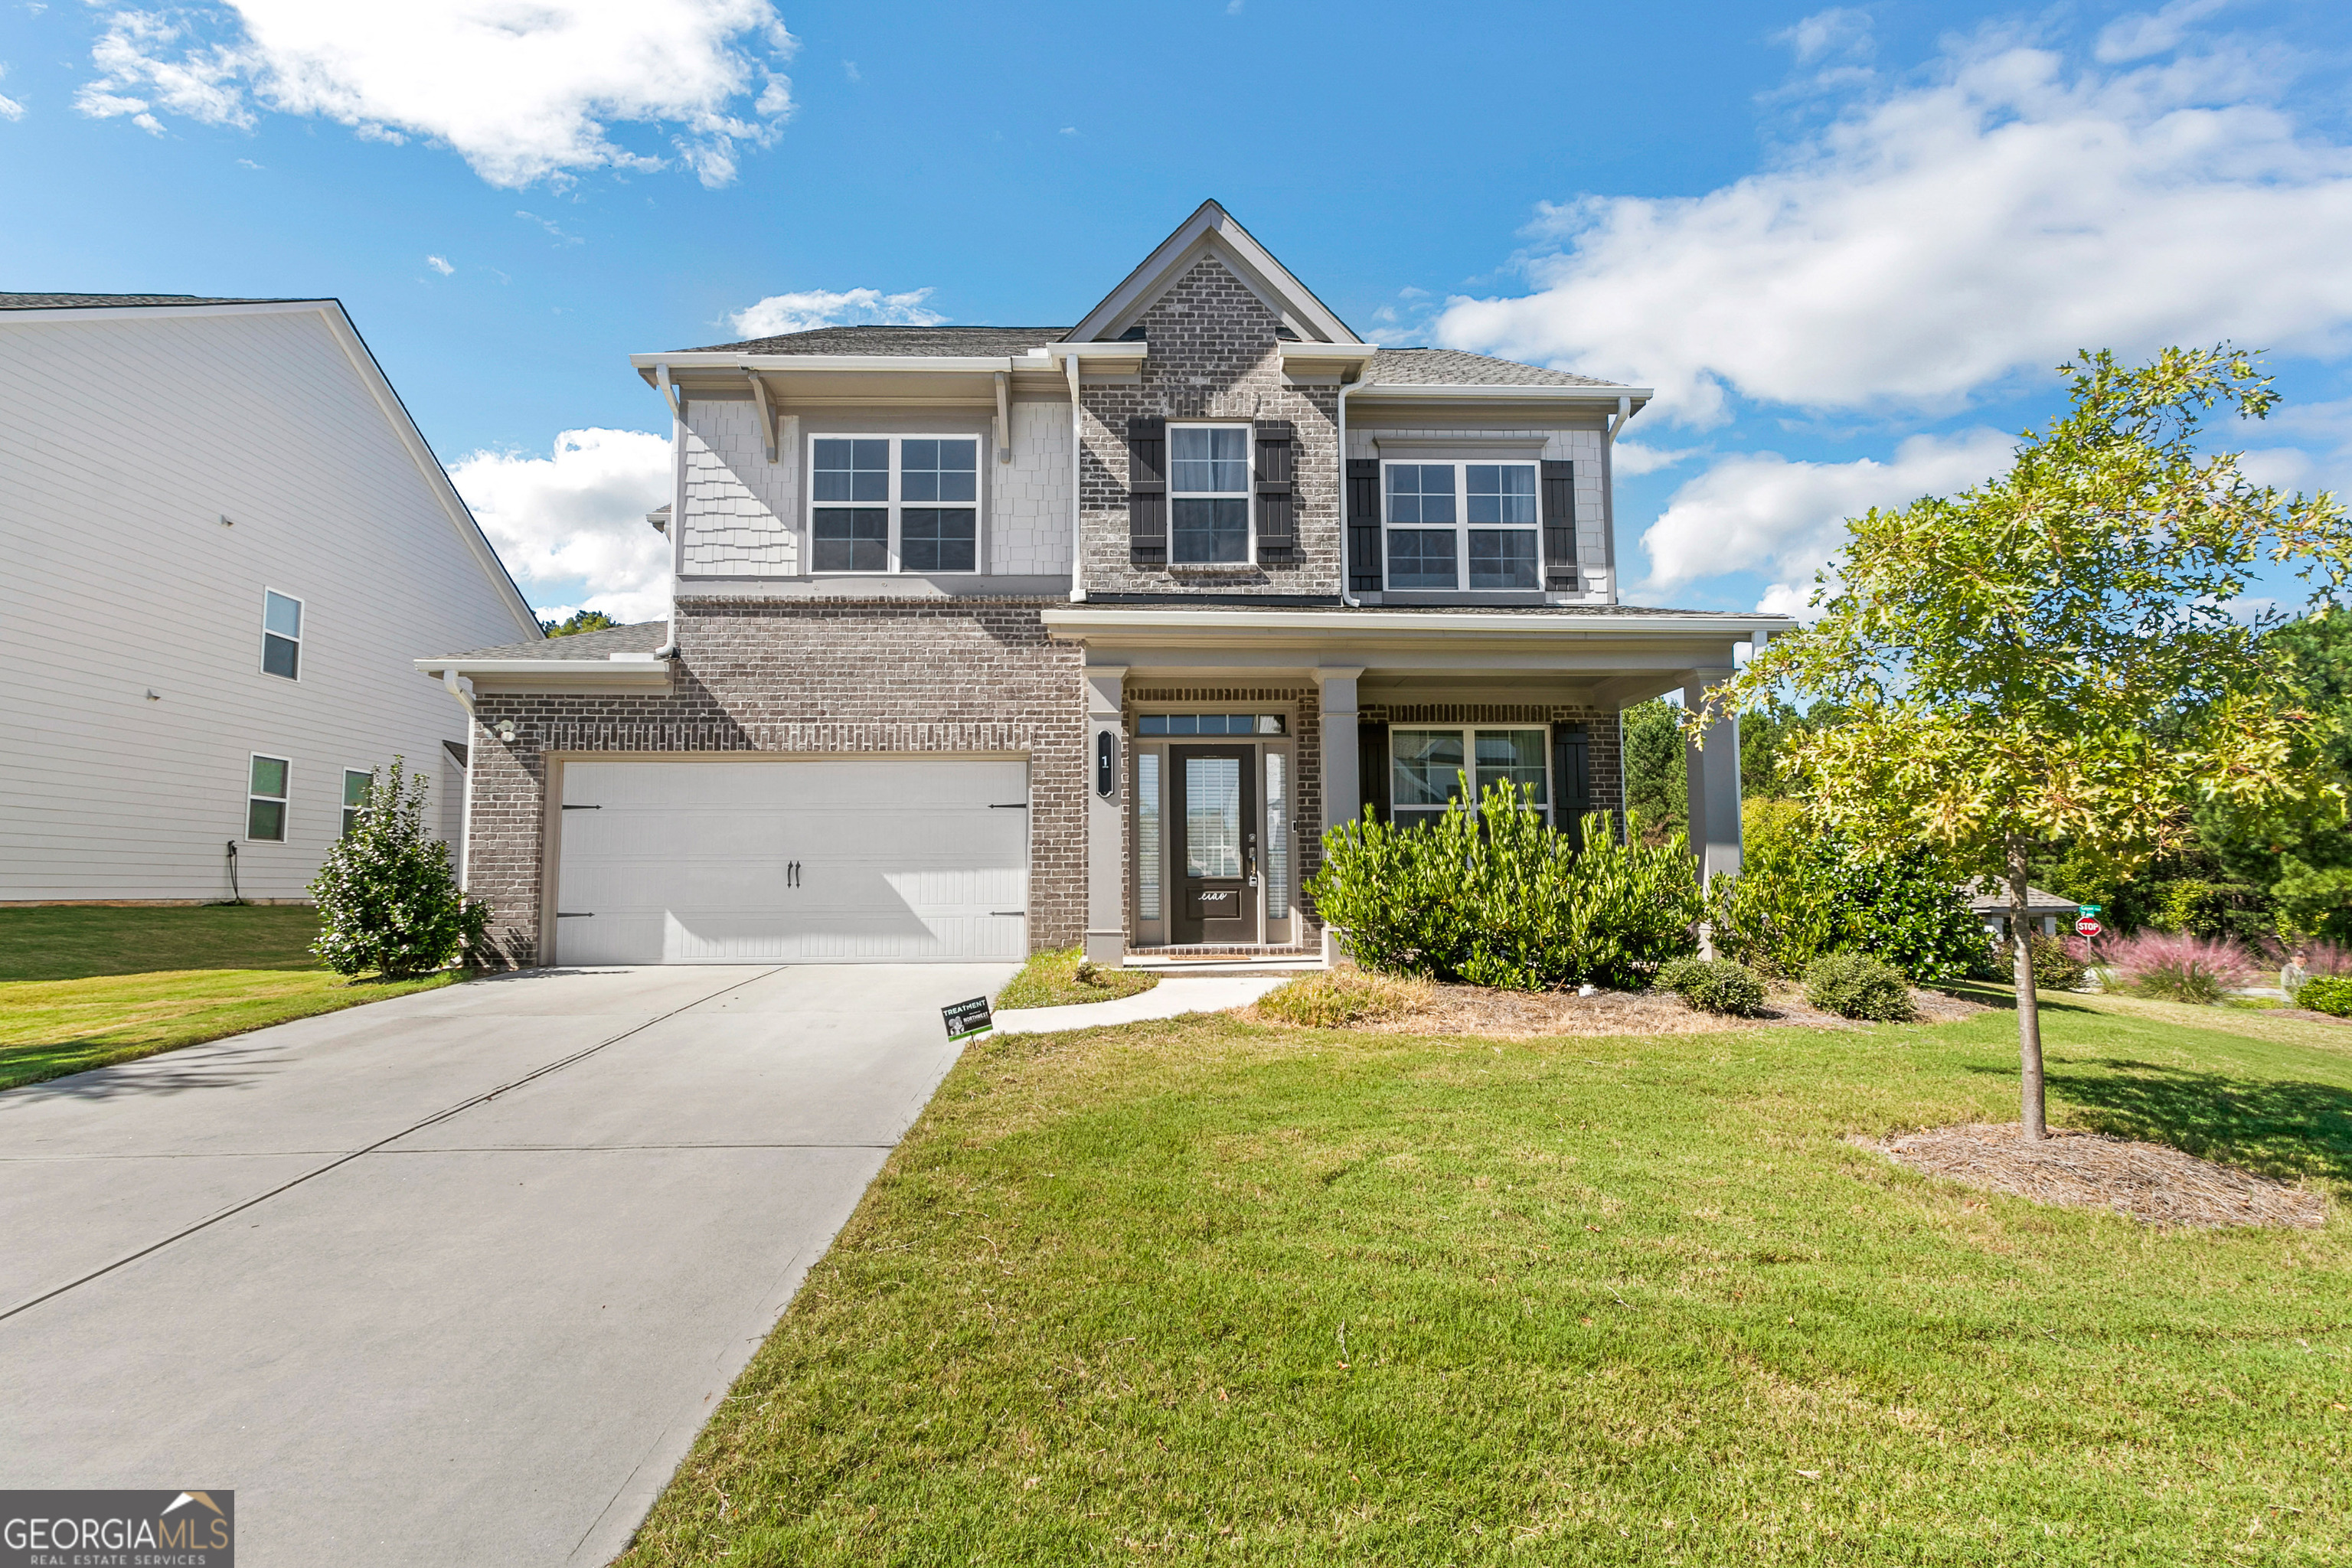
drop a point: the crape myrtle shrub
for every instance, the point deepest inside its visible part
(1497, 898)
(386, 899)
(1803, 894)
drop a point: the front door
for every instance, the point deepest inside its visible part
(1213, 807)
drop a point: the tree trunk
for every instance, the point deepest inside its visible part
(2029, 1012)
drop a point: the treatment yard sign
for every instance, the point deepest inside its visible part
(966, 1019)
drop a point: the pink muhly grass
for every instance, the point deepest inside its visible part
(2176, 966)
(2319, 957)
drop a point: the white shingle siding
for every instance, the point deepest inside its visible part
(1582, 448)
(740, 509)
(126, 440)
(1030, 520)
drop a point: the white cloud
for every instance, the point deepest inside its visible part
(523, 91)
(439, 265)
(577, 517)
(1633, 457)
(1939, 239)
(549, 224)
(1761, 512)
(9, 108)
(849, 70)
(779, 313)
(1840, 31)
(2138, 35)
(1069, 131)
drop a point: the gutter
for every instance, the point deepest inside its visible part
(1113, 618)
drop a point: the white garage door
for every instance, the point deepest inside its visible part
(879, 860)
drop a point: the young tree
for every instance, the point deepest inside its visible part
(386, 899)
(580, 621)
(2055, 654)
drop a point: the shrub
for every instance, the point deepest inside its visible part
(1713, 986)
(1800, 895)
(1856, 986)
(2060, 963)
(2176, 966)
(386, 899)
(1339, 997)
(1499, 899)
(2329, 994)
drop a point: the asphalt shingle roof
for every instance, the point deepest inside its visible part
(986, 341)
(643, 638)
(1991, 898)
(1453, 367)
(104, 302)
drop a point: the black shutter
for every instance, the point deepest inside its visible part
(1146, 491)
(1278, 508)
(1560, 527)
(1571, 777)
(1363, 525)
(1372, 769)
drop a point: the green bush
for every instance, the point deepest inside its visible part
(1713, 986)
(1856, 986)
(2329, 994)
(1337, 997)
(1800, 896)
(386, 899)
(1497, 898)
(2057, 966)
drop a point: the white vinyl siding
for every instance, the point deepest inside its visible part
(129, 440)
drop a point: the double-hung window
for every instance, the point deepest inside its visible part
(281, 634)
(1461, 525)
(265, 798)
(1427, 767)
(1208, 494)
(356, 785)
(895, 503)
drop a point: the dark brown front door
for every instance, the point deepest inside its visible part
(1213, 804)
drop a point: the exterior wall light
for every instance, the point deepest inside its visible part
(506, 730)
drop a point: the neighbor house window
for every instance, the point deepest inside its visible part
(895, 503)
(1461, 525)
(281, 634)
(355, 793)
(1208, 494)
(264, 799)
(1427, 768)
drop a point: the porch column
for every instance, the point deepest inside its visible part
(1106, 819)
(1343, 795)
(1714, 775)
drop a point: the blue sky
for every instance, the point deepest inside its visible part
(1845, 244)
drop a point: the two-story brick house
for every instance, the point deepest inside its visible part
(992, 639)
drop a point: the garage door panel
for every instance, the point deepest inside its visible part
(898, 860)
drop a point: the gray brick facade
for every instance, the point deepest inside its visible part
(806, 678)
(1215, 356)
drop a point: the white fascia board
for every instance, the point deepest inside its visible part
(1405, 391)
(764, 363)
(1359, 352)
(1134, 349)
(1342, 625)
(133, 313)
(634, 671)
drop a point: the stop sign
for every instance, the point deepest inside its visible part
(2088, 927)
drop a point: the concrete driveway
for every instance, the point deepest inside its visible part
(453, 1278)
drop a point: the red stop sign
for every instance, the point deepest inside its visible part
(2088, 927)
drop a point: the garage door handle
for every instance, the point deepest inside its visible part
(571, 807)
(575, 914)
(1010, 806)
(1008, 911)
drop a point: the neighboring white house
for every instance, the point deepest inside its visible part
(221, 540)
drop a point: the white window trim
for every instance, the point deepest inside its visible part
(1462, 525)
(1469, 733)
(1248, 489)
(894, 554)
(302, 619)
(284, 802)
(368, 773)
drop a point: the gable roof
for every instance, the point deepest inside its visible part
(644, 637)
(1211, 230)
(114, 302)
(1454, 367)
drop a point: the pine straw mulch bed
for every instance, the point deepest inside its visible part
(2091, 1170)
(1477, 1010)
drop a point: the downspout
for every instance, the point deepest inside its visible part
(1077, 503)
(1345, 387)
(668, 649)
(1625, 412)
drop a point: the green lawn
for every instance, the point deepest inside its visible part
(83, 988)
(1051, 980)
(1207, 1291)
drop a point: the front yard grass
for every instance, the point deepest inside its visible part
(1203, 1290)
(1051, 980)
(85, 987)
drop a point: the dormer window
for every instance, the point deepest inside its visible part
(1461, 525)
(1208, 494)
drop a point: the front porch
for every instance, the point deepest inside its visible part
(1224, 741)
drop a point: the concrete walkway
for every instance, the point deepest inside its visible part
(453, 1278)
(1173, 996)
